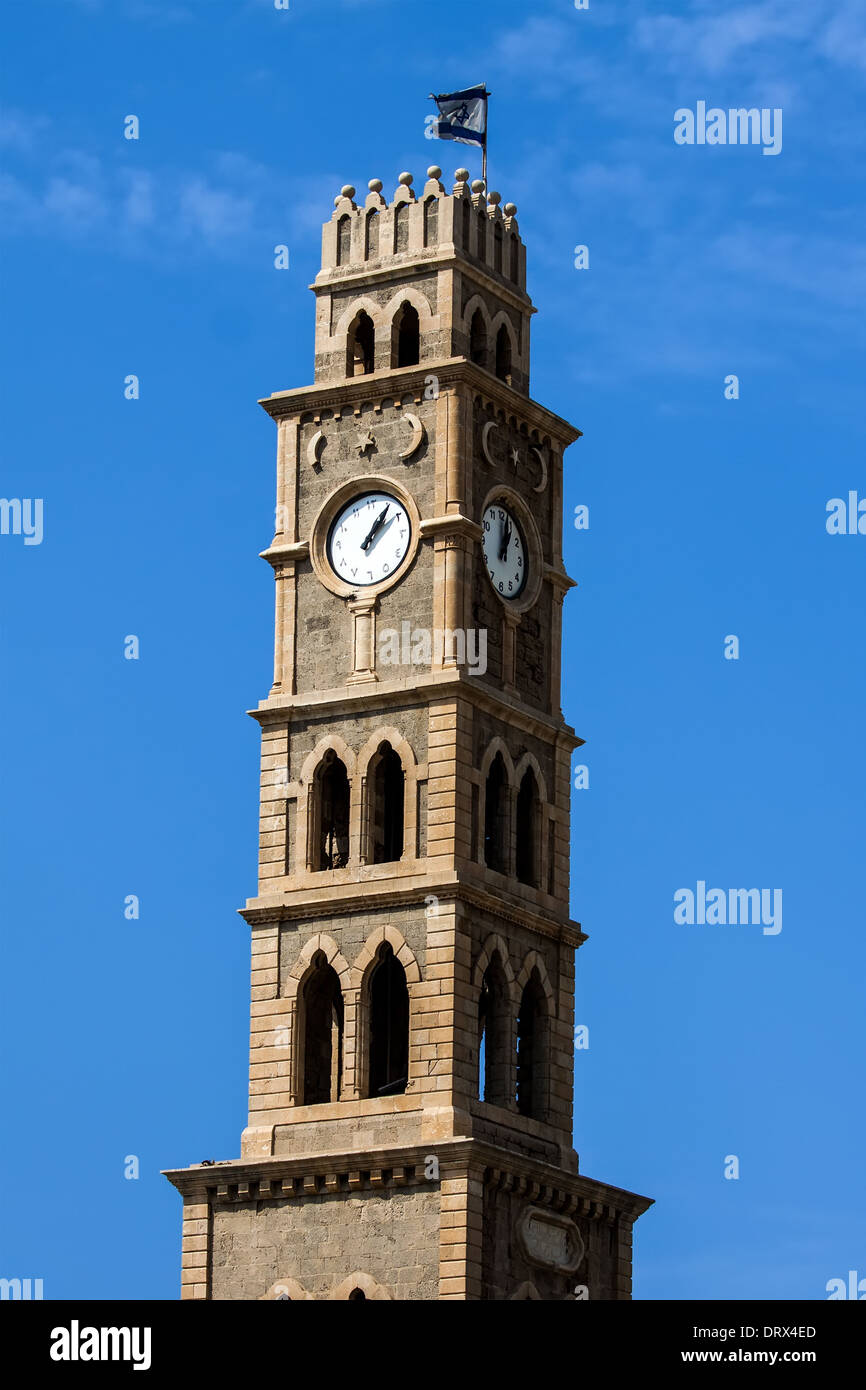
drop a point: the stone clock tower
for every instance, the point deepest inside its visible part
(411, 1076)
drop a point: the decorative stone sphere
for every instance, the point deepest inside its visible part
(375, 185)
(510, 209)
(347, 191)
(494, 198)
(477, 185)
(461, 175)
(337, 201)
(406, 179)
(434, 172)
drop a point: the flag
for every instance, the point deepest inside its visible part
(462, 116)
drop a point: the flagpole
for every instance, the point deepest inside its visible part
(486, 128)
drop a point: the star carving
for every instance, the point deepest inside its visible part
(367, 444)
(515, 457)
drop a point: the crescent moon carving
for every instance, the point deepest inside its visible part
(314, 449)
(485, 441)
(539, 453)
(417, 435)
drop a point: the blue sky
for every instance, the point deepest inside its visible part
(707, 518)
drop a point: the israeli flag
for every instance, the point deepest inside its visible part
(462, 116)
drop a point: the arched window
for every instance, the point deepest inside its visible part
(371, 235)
(389, 1026)
(386, 782)
(407, 337)
(494, 1036)
(361, 348)
(466, 219)
(503, 355)
(357, 1295)
(322, 1008)
(401, 227)
(481, 239)
(527, 829)
(478, 339)
(344, 240)
(532, 1047)
(497, 247)
(431, 221)
(515, 258)
(331, 814)
(496, 816)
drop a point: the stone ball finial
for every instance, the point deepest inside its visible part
(375, 185)
(477, 185)
(461, 175)
(337, 201)
(347, 191)
(434, 172)
(406, 179)
(494, 198)
(510, 209)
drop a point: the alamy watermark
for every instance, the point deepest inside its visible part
(419, 646)
(22, 516)
(720, 907)
(736, 126)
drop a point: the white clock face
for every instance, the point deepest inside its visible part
(369, 539)
(504, 551)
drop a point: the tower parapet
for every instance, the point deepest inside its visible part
(455, 260)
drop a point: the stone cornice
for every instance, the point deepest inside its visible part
(398, 381)
(444, 257)
(342, 1172)
(454, 524)
(304, 904)
(431, 688)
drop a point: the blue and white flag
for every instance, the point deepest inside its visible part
(462, 116)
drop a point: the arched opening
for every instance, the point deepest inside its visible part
(407, 337)
(344, 240)
(322, 1006)
(494, 1041)
(532, 1050)
(481, 238)
(387, 784)
(361, 346)
(478, 339)
(389, 1026)
(497, 247)
(466, 216)
(515, 258)
(503, 355)
(527, 815)
(401, 227)
(431, 221)
(371, 235)
(496, 816)
(331, 807)
(356, 1296)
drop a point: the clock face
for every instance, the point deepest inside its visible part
(369, 539)
(504, 551)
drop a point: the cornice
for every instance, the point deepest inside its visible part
(432, 687)
(308, 905)
(397, 381)
(447, 256)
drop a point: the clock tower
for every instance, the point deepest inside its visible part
(412, 1018)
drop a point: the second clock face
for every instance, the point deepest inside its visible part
(504, 551)
(369, 539)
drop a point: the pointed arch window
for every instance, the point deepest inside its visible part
(322, 1009)
(389, 1026)
(401, 227)
(344, 240)
(496, 816)
(407, 336)
(431, 221)
(481, 239)
(503, 355)
(478, 339)
(528, 811)
(330, 838)
(357, 1296)
(497, 247)
(371, 235)
(532, 1050)
(494, 1036)
(386, 792)
(361, 346)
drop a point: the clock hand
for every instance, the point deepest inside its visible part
(504, 540)
(365, 544)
